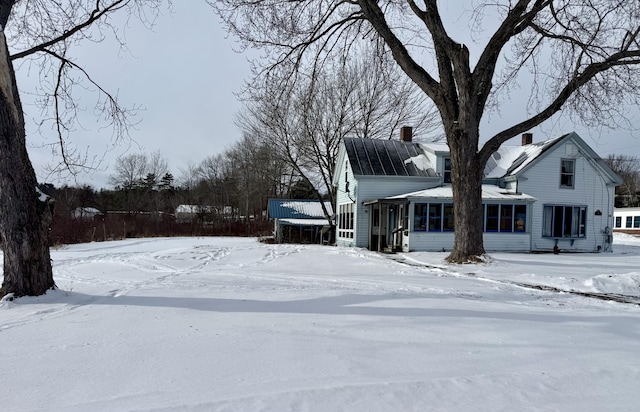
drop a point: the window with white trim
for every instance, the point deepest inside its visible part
(564, 221)
(567, 173)
(345, 220)
(447, 170)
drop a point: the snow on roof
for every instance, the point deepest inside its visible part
(305, 222)
(435, 147)
(421, 162)
(297, 208)
(489, 192)
(510, 160)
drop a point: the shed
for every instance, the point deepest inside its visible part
(301, 220)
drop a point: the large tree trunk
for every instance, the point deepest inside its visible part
(466, 181)
(24, 217)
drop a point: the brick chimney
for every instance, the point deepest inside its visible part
(527, 138)
(406, 133)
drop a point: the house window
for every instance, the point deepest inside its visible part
(618, 221)
(439, 217)
(561, 221)
(447, 170)
(567, 173)
(345, 220)
(506, 218)
(420, 217)
(636, 222)
(435, 217)
(448, 224)
(492, 223)
(520, 218)
(628, 222)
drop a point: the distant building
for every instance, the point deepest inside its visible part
(627, 220)
(87, 213)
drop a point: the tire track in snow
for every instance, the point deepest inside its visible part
(614, 297)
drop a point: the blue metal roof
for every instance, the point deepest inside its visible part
(297, 209)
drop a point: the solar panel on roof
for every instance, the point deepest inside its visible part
(519, 160)
(372, 156)
(396, 160)
(385, 160)
(365, 165)
(383, 157)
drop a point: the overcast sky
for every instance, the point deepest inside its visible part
(184, 74)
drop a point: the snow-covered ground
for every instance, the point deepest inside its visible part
(230, 324)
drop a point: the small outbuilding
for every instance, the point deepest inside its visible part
(301, 220)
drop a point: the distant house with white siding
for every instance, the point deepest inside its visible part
(396, 195)
(301, 220)
(627, 220)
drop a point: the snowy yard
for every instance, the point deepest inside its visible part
(229, 324)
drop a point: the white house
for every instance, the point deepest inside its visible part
(627, 220)
(396, 195)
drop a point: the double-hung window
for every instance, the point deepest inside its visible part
(447, 170)
(567, 173)
(562, 221)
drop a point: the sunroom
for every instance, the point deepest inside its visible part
(424, 220)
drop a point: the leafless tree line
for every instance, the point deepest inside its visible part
(628, 168)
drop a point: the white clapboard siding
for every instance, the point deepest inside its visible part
(376, 187)
(542, 181)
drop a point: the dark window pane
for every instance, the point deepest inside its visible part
(492, 218)
(506, 218)
(435, 217)
(447, 218)
(521, 218)
(420, 217)
(447, 170)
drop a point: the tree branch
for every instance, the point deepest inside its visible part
(95, 15)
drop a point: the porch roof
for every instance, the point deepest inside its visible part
(489, 192)
(304, 222)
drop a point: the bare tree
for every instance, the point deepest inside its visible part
(42, 33)
(579, 55)
(628, 168)
(305, 115)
